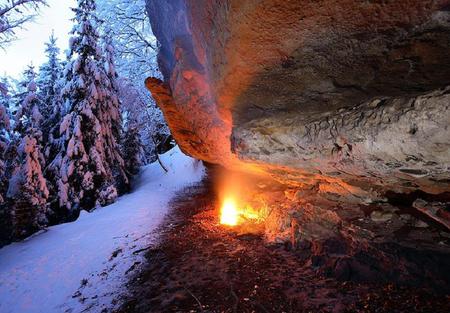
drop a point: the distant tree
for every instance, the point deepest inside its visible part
(11, 102)
(27, 191)
(3, 89)
(50, 85)
(129, 26)
(22, 93)
(132, 148)
(21, 89)
(13, 15)
(4, 141)
(146, 118)
(5, 92)
(90, 161)
(110, 109)
(136, 53)
(48, 81)
(5, 220)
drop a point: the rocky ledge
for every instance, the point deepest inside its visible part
(346, 99)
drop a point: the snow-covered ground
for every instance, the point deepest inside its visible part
(82, 266)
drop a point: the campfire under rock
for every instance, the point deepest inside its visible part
(309, 254)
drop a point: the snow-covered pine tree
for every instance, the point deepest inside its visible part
(129, 26)
(90, 160)
(21, 90)
(53, 152)
(5, 92)
(4, 140)
(49, 74)
(27, 191)
(26, 97)
(10, 102)
(132, 148)
(136, 59)
(111, 117)
(147, 118)
(50, 85)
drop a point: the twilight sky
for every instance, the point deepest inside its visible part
(30, 45)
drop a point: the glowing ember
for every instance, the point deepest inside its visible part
(229, 213)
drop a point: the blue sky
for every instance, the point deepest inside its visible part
(30, 45)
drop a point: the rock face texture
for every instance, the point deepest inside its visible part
(347, 98)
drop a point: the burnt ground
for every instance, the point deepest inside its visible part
(200, 266)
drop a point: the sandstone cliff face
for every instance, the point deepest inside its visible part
(344, 97)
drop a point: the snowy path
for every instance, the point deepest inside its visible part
(83, 265)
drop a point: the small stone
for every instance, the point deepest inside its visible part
(420, 224)
(406, 217)
(187, 75)
(302, 193)
(374, 104)
(380, 216)
(290, 194)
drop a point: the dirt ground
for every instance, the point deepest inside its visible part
(201, 266)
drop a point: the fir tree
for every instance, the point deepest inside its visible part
(54, 146)
(28, 97)
(27, 189)
(14, 109)
(21, 89)
(50, 85)
(4, 139)
(90, 161)
(110, 115)
(5, 97)
(5, 223)
(132, 150)
(49, 74)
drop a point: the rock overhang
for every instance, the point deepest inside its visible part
(342, 93)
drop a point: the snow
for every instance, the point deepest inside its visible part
(32, 86)
(3, 89)
(36, 115)
(65, 124)
(84, 265)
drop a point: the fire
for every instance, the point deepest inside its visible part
(229, 213)
(238, 204)
(232, 214)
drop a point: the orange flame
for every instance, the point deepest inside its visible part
(232, 214)
(233, 190)
(229, 213)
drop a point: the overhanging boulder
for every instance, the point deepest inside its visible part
(347, 97)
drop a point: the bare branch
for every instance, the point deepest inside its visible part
(14, 14)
